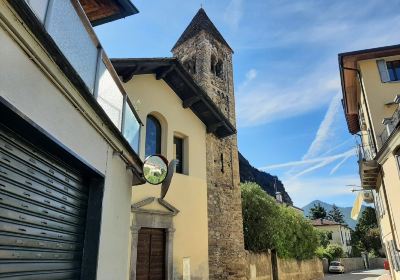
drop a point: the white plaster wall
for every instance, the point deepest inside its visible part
(26, 87)
(31, 92)
(114, 252)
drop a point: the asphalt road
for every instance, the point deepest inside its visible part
(357, 275)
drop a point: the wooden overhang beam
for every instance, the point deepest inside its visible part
(164, 72)
(187, 103)
(213, 110)
(212, 128)
(130, 71)
(127, 74)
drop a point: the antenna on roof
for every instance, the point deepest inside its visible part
(201, 5)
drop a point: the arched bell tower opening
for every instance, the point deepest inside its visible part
(208, 58)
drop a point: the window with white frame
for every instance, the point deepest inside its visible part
(389, 70)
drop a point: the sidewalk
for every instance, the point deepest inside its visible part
(385, 276)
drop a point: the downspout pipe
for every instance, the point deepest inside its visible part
(365, 99)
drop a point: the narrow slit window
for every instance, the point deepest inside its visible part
(222, 163)
(178, 154)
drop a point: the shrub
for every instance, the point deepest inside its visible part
(324, 238)
(321, 253)
(335, 250)
(269, 225)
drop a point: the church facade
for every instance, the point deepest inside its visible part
(187, 102)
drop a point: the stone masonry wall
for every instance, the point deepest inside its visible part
(226, 244)
(259, 267)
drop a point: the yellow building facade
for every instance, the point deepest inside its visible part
(187, 227)
(371, 97)
(162, 91)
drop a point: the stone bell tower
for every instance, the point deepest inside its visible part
(208, 58)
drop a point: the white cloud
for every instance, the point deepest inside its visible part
(259, 103)
(233, 13)
(333, 24)
(324, 28)
(319, 153)
(337, 166)
(325, 132)
(302, 41)
(304, 190)
(308, 161)
(250, 76)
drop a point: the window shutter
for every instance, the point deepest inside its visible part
(377, 204)
(395, 256)
(383, 72)
(391, 255)
(382, 205)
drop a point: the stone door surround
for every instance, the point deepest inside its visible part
(145, 218)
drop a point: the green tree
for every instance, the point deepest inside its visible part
(334, 250)
(367, 220)
(336, 215)
(317, 212)
(324, 237)
(269, 225)
(321, 253)
(261, 218)
(366, 236)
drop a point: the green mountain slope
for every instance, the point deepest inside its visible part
(248, 173)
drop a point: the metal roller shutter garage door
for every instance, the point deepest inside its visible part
(43, 204)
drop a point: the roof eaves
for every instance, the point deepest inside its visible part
(371, 50)
(187, 79)
(128, 9)
(352, 123)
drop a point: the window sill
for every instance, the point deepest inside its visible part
(183, 174)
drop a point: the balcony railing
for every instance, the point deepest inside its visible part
(67, 24)
(368, 168)
(364, 154)
(390, 124)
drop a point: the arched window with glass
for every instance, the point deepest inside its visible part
(153, 136)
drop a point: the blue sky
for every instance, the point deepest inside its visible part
(290, 120)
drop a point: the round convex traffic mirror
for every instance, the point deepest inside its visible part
(155, 169)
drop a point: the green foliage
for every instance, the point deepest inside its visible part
(335, 250)
(317, 212)
(324, 237)
(321, 253)
(366, 236)
(269, 225)
(336, 215)
(367, 220)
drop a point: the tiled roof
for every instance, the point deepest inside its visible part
(324, 222)
(201, 22)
